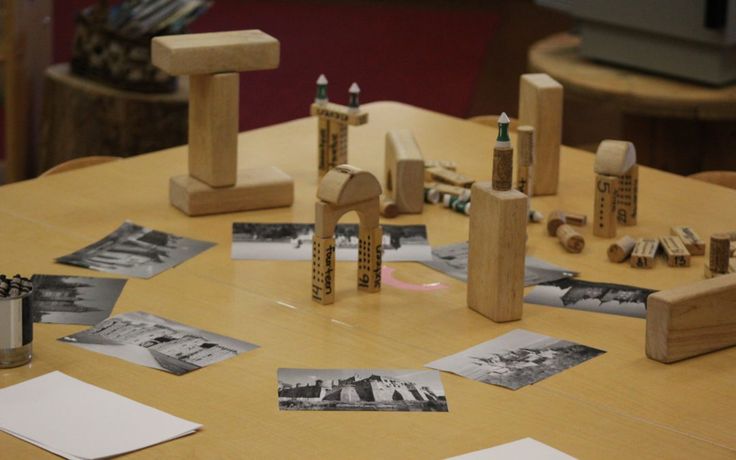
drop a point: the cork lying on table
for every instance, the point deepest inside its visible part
(675, 251)
(692, 241)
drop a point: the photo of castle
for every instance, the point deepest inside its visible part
(516, 359)
(361, 390)
(157, 342)
(74, 299)
(289, 241)
(136, 251)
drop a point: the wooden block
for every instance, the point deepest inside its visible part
(694, 244)
(554, 220)
(675, 251)
(323, 145)
(370, 250)
(627, 197)
(208, 53)
(525, 160)
(732, 249)
(450, 177)
(404, 172)
(720, 248)
(691, 320)
(540, 105)
(712, 274)
(576, 219)
(339, 113)
(604, 217)
(644, 254)
(323, 270)
(496, 252)
(621, 249)
(447, 164)
(388, 208)
(257, 188)
(614, 158)
(570, 239)
(347, 184)
(213, 128)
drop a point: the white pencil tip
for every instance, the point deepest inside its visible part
(322, 80)
(354, 88)
(503, 118)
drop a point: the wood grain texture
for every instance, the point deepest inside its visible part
(213, 128)
(540, 106)
(691, 320)
(613, 406)
(604, 206)
(215, 52)
(496, 252)
(404, 172)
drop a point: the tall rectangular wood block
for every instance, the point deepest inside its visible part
(691, 320)
(370, 251)
(627, 196)
(496, 252)
(323, 144)
(213, 128)
(337, 147)
(404, 171)
(540, 105)
(604, 214)
(323, 269)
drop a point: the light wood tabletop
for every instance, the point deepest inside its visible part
(618, 405)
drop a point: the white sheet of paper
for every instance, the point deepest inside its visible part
(526, 448)
(74, 419)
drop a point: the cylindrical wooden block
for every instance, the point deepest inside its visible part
(555, 219)
(525, 159)
(503, 165)
(720, 244)
(621, 249)
(388, 208)
(604, 224)
(570, 239)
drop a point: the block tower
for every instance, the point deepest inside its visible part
(213, 60)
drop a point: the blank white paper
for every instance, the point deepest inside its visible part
(74, 419)
(522, 449)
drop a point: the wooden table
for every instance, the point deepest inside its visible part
(676, 125)
(619, 405)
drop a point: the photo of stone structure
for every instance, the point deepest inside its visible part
(74, 299)
(158, 342)
(288, 241)
(361, 390)
(608, 298)
(136, 251)
(516, 359)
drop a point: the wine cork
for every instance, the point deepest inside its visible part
(570, 238)
(675, 251)
(503, 165)
(720, 245)
(388, 208)
(555, 219)
(694, 244)
(525, 159)
(644, 253)
(621, 249)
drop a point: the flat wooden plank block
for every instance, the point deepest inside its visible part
(496, 252)
(450, 177)
(675, 251)
(257, 188)
(694, 244)
(691, 320)
(540, 105)
(339, 113)
(213, 128)
(235, 51)
(404, 171)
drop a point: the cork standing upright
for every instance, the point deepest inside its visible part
(497, 239)
(604, 212)
(540, 105)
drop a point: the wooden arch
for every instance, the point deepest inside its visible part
(343, 189)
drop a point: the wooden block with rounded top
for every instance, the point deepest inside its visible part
(540, 105)
(216, 52)
(496, 252)
(614, 158)
(691, 320)
(404, 172)
(258, 188)
(346, 184)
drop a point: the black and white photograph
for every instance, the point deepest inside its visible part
(391, 390)
(156, 342)
(136, 251)
(74, 299)
(452, 260)
(613, 299)
(516, 359)
(288, 241)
